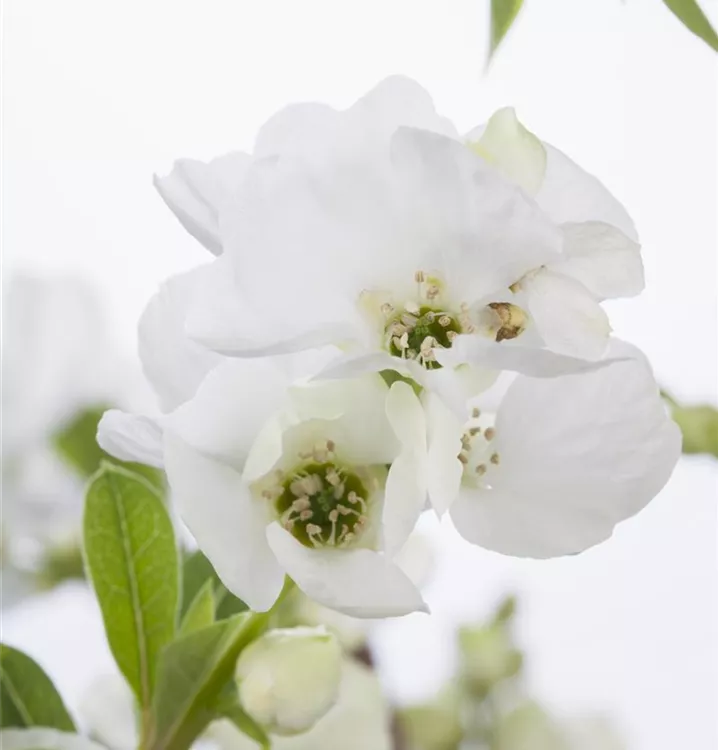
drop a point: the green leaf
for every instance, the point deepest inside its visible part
(200, 613)
(77, 444)
(27, 696)
(503, 14)
(132, 560)
(196, 570)
(192, 673)
(246, 724)
(694, 19)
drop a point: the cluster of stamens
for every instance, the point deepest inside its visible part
(419, 328)
(469, 449)
(321, 503)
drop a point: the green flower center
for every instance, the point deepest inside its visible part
(323, 505)
(415, 335)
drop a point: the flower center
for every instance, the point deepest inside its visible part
(323, 505)
(416, 332)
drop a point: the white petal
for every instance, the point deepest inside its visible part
(567, 316)
(357, 411)
(405, 493)
(570, 194)
(352, 365)
(394, 102)
(195, 192)
(603, 259)
(578, 454)
(173, 363)
(230, 408)
(357, 582)
(444, 468)
(484, 233)
(131, 437)
(513, 149)
(46, 739)
(458, 382)
(227, 522)
(508, 355)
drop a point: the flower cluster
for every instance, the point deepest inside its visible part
(331, 373)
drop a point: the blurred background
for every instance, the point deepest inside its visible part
(99, 96)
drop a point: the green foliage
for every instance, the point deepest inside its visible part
(392, 376)
(196, 570)
(27, 696)
(694, 19)
(192, 672)
(503, 14)
(76, 442)
(132, 560)
(200, 613)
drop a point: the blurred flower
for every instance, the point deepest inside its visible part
(567, 459)
(322, 481)
(58, 367)
(529, 727)
(412, 248)
(433, 726)
(47, 739)
(288, 679)
(107, 710)
(360, 720)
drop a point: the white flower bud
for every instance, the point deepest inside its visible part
(288, 679)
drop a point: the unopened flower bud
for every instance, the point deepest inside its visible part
(488, 656)
(288, 679)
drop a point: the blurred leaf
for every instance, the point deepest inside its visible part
(247, 725)
(192, 673)
(76, 442)
(200, 613)
(77, 445)
(132, 561)
(694, 19)
(195, 571)
(27, 696)
(503, 14)
(60, 562)
(392, 376)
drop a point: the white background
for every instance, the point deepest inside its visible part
(99, 95)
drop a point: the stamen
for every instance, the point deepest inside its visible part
(495, 459)
(489, 433)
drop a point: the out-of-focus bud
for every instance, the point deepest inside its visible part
(699, 425)
(288, 679)
(433, 726)
(528, 727)
(487, 656)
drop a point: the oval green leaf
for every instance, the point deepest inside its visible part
(200, 613)
(132, 560)
(27, 696)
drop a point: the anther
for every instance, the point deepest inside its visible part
(419, 277)
(475, 413)
(495, 459)
(481, 469)
(489, 433)
(445, 321)
(463, 458)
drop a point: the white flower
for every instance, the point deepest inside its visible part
(288, 679)
(323, 482)
(566, 460)
(410, 247)
(360, 720)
